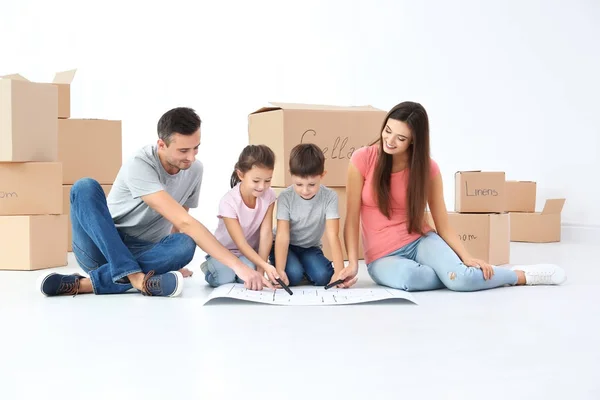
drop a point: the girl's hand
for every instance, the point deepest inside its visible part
(271, 273)
(283, 277)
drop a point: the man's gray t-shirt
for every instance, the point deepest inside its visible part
(307, 217)
(143, 174)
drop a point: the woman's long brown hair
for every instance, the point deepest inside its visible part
(415, 116)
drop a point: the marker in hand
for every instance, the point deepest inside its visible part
(332, 284)
(283, 285)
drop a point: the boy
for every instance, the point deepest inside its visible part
(305, 210)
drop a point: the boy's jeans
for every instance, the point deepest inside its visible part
(429, 263)
(107, 254)
(309, 262)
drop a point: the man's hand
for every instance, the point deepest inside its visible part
(253, 280)
(349, 275)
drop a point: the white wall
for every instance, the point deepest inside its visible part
(500, 81)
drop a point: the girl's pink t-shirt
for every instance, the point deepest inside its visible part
(382, 236)
(250, 219)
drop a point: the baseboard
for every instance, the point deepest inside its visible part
(584, 234)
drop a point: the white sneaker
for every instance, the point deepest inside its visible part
(542, 274)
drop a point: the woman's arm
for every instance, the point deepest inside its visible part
(437, 206)
(354, 187)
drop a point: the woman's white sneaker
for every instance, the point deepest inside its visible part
(542, 274)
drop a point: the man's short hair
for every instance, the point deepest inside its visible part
(307, 160)
(182, 120)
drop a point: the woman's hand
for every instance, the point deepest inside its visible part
(487, 269)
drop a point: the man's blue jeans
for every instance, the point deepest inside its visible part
(108, 255)
(306, 262)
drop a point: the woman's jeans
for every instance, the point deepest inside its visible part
(429, 263)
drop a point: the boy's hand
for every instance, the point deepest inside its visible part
(336, 276)
(349, 275)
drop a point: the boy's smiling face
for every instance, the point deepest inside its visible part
(307, 187)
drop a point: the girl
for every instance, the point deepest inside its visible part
(246, 217)
(389, 185)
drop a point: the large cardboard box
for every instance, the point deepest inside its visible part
(485, 236)
(480, 192)
(31, 188)
(520, 196)
(341, 192)
(33, 242)
(337, 130)
(89, 148)
(66, 210)
(62, 80)
(28, 120)
(538, 227)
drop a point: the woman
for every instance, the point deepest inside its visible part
(389, 185)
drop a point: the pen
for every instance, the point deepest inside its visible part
(283, 285)
(332, 284)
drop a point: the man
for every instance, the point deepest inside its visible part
(142, 235)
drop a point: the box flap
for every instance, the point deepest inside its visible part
(64, 76)
(463, 172)
(15, 77)
(313, 107)
(553, 206)
(518, 181)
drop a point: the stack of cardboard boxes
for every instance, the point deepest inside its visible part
(490, 212)
(42, 153)
(33, 233)
(338, 131)
(87, 148)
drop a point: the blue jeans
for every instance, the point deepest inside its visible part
(220, 274)
(306, 262)
(429, 263)
(108, 255)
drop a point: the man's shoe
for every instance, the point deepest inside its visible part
(168, 285)
(542, 274)
(55, 284)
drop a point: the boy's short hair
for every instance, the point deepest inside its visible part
(306, 160)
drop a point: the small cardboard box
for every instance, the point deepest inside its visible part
(28, 120)
(341, 192)
(62, 80)
(337, 130)
(89, 148)
(538, 227)
(31, 188)
(485, 236)
(520, 196)
(33, 242)
(66, 201)
(480, 192)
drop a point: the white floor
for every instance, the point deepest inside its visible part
(508, 343)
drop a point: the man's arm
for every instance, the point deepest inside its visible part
(166, 206)
(174, 230)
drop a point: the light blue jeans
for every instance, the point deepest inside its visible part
(429, 263)
(220, 274)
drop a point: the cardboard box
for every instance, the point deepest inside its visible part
(33, 242)
(63, 80)
(479, 191)
(66, 210)
(485, 236)
(28, 120)
(538, 227)
(341, 192)
(32, 188)
(338, 131)
(520, 196)
(89, 148)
